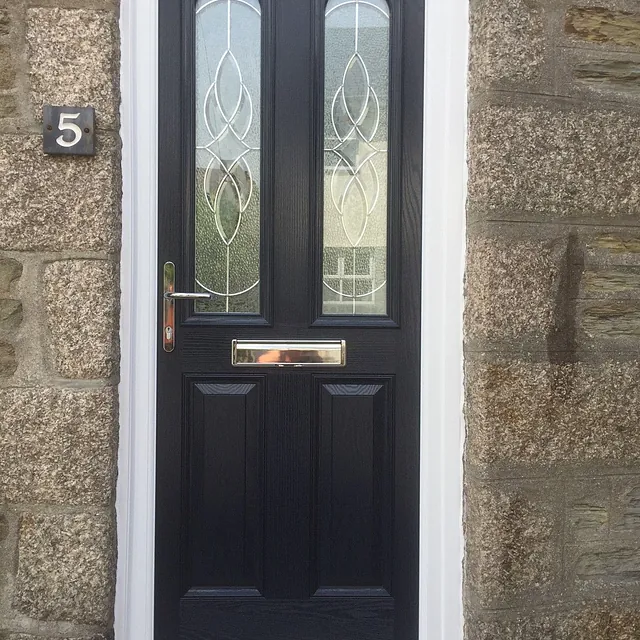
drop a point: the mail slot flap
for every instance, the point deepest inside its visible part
(297, 353)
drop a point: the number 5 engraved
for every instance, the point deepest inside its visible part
(63, 125)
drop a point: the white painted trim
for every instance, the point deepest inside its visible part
(135, 502)
(441, 544)
(442, 429)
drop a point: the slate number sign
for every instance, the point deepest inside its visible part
(69, 130)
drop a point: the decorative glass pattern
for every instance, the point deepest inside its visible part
(355, 157)
(227, 216)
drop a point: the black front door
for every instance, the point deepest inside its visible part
(290, 149)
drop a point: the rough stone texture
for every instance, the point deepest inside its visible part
(527, 412)
(608, 563)
(552, 322)
(621, 74)
(65, 567)
(58, 446)
(8, 107)
(506, 41)
(509, 287)
(599, 73)
(625, 518)
(618, 281)
(535, 162)
(59, 298)
(511, 553)
(565, 292)
(10, 314)
(24, 636)
(4, 528)
(603, 25)
(536, 629)
(54, 202)
(67, 67)
(82, 308)
(618, 244)
(10, 271)
(612, 319)
(588, 511)
(7, 71)
(5, 22)
(8, 362)
(602, 621)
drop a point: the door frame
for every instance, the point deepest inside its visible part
(441, 419)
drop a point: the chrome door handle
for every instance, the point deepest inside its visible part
(173, 295)
(169, 298)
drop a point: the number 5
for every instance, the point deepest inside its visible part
(69, 126)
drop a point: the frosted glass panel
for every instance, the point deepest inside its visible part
(227, 216)
(356, 105)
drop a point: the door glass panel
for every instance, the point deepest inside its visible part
(356, 105)
(227, 175)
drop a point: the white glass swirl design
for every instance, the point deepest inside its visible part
(355, 169)
(227, 234)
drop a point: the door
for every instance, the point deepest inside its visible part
(288, 372)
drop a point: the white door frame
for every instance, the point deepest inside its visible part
(441, 540)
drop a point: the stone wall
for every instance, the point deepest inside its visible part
(552, 505)
(59, 242)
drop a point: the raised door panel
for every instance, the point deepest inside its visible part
(354, 488)
(225, 485)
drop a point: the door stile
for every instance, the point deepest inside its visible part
(407, 445)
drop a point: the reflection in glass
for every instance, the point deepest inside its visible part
(227, 189)
(355, 158)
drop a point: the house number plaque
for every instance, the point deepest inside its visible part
(69, 130)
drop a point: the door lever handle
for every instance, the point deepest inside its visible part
(169, 298)
(174, 295)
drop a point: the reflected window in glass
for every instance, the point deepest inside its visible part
(355, 157)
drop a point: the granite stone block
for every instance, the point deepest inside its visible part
(73, 55)
(26, 636)
(532, 412)
(600, 621)
(612, 318)
(4, 527)
(82, 312)
(626, 506)
(57, 203)
(611, 282)
(66, 568)
(541, 163)
(8, 106)
(58, 446)
(588, 509)
(8, 361)
(511, 543)
(542, 627)
(604, 25)
(10, 314)
(596, 621)
(623, 75)
(5, 22)
(507, 41)
(10, 271)
(608, 563)
(7, 68)
(509, 287)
